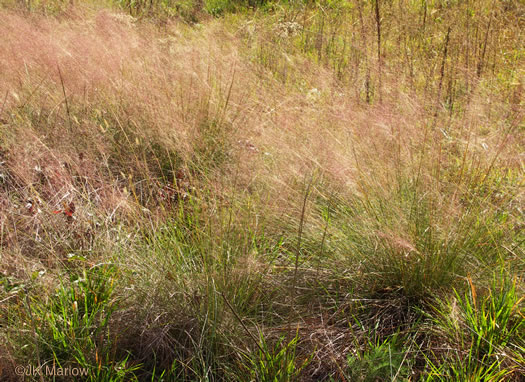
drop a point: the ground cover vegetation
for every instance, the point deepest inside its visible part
(220, 190)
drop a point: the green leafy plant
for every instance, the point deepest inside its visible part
(278, 362)
(381, 360)
(487, 328)
(72, 328)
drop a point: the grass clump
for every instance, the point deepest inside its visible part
(288, 191)
(484, 332)
(72, 328)
(277, 363)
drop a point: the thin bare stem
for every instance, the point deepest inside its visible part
(65, 96)
(379, 63)
(242, 323)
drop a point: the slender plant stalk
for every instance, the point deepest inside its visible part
(242, 323)
(441, 76)
(365, 52)
(379, 63)
(425, 6)
(65, 96)
(481, 61)
(299, 238)
(325, 230)
(297, 255)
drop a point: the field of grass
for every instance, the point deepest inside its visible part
(222, 190)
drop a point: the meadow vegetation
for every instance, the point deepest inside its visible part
(255, 190)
